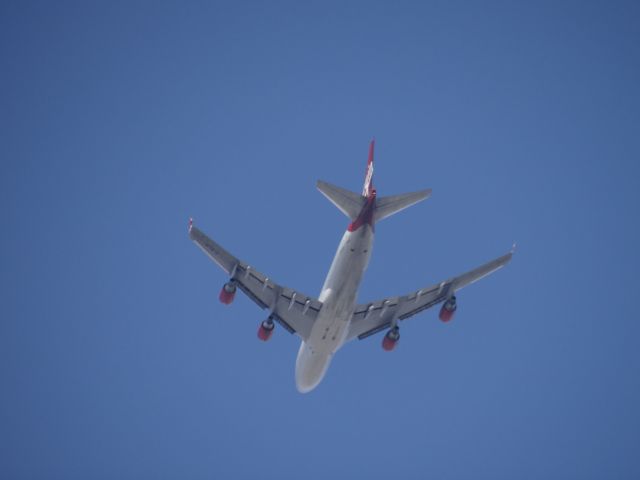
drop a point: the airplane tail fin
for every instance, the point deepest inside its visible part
(349, 203)
(368, 189)
(387, 206)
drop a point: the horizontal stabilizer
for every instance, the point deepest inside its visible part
(349, 203)
(387, 206)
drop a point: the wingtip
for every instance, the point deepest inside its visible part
(513, 248)
(190, 224)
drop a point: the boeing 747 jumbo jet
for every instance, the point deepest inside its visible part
(328, 322)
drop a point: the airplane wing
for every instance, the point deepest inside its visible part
(372, 317)
(295, 311)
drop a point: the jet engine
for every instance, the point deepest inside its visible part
(391, 339)
(228, 292)
(266, 329)
(448, 309)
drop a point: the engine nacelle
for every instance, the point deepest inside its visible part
(265, 330)
(228, 293)
(448, 309)
(391, 339)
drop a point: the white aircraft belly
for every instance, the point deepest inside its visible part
(338, 297)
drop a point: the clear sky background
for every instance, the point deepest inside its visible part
(119, 121)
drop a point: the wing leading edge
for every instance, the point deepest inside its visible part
(373, 317)
(295, 311)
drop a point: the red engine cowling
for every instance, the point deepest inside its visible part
(228, 293)
(448, 309)
(265, 330)
(391, 339)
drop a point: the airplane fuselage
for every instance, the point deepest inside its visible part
(326, 323)
(338, 297)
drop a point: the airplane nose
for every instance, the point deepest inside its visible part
(304, 387)
(310, 368)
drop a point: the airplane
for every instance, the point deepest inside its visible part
(326, 323)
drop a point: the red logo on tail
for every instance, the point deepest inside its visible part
(368, 178)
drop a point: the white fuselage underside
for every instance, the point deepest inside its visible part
(338, 297)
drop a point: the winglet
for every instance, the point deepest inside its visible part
(190, 224)
(513, 248)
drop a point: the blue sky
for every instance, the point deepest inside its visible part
(119, 121)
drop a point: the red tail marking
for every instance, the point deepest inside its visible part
(366, 214)
(368, 177)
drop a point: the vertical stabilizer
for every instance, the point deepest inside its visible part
(368, 189)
